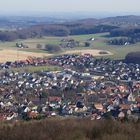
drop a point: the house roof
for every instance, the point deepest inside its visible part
(54, 98)
(125, 106)
(98, 106)
(138, 99)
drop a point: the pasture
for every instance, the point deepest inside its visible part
(12, 55)
(100, 43)
(93, 52)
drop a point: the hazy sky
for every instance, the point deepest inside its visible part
(70, 5)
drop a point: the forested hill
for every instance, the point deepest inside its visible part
(85, 26)
(115, 21)
(122, 21)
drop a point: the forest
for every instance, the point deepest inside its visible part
(38, 31)
(70, 129)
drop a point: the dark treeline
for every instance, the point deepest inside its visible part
(125, 32)
(131, 36)
(133, 57)
(123, 41)
(54, 30)
(83, 29)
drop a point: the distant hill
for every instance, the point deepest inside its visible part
(116, 21)
(122, 21)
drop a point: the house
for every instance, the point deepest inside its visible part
(125, 107)
(121, 115)
(21, 45)
(126, 43)
(92, 39)
(33, 114)
(98, 106)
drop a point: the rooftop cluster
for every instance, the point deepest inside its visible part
(86, 87)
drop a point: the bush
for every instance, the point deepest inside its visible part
(39, 46)
(87, 44)
(52, 48)
(103, 52)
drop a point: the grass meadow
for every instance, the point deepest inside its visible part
(100, 43)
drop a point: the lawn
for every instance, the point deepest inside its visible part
(37, 68)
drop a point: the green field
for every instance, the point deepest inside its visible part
(99, 43)
(37, 68)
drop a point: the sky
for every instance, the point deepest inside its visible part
(28, 6)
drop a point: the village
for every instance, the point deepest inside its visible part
(86, 87)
